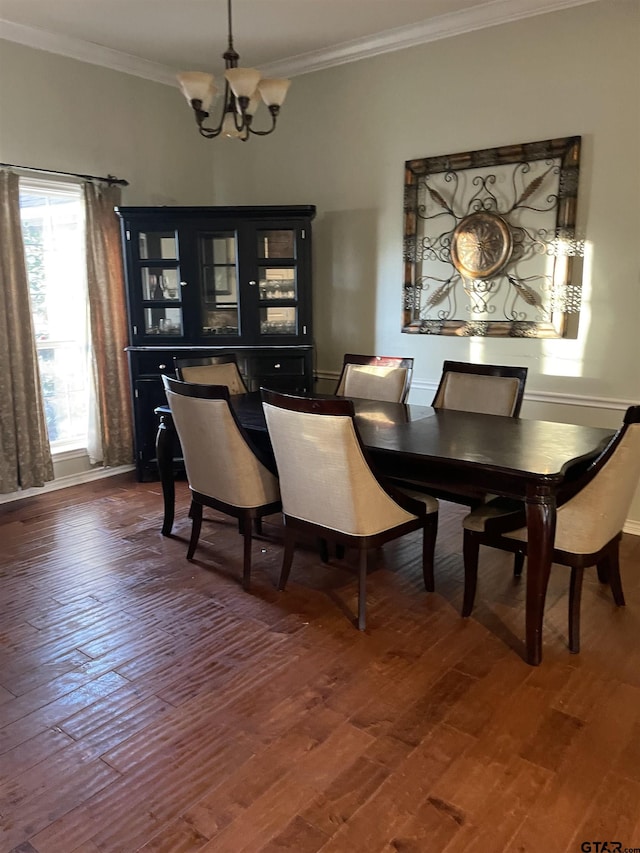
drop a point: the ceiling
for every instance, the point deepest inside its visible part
(154, 38)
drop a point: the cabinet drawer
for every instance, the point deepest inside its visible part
(275, 366)
(154, 363)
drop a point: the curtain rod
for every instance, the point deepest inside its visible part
(110, 179)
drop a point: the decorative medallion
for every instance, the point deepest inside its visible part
(481, 245)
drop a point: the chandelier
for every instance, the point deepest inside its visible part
(243, 90)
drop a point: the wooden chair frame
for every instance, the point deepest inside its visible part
(379, 361)
(606, 559)
(247, 517)
(506, 371)
(428, 522)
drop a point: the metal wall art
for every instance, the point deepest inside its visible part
(490, 243)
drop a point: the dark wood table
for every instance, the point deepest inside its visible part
(449, 450)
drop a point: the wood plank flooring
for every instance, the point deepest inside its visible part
(149, 704)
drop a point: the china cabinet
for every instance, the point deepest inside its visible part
(204, 280)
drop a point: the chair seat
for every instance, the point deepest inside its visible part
(496, 513)
(429, 501)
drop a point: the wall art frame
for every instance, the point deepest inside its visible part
(490, 245)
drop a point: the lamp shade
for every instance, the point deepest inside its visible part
(274, 90)
(243, 81)
(198, 86)
(252, 106)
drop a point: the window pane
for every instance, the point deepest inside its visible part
(53, 232)
(277, 283)
(163, 321)
(158, 244)
(276, 244)
(160, 283)
(278, 321)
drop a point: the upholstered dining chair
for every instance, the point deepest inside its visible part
(375, 377)
(330, 489)
(493, 389)
(225, 471)
(592, 511)
(212, 370)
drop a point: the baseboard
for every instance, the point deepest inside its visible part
(65, 482)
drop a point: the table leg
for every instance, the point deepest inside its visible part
(164, 455)
(541, 531)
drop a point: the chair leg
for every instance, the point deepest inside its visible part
(575, 592)
(246, 566)
(257, 526)
(603, 569)
(287, 558)
(362, 590)
(615, 583)
(429, 535)
(195, 511)
(323, 550)
(339, 551)
(518, 564)
(471, 553)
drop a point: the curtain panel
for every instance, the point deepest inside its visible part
(108, 320)
(25, 457)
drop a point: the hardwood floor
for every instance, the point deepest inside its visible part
(149, 704)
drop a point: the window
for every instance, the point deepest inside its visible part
(52, 217)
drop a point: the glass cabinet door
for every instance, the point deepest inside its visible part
(159, 281)
(220, 307)
(278, 281)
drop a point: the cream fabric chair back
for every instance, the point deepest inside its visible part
(215, 374)
(373, 382)
(470, 392)
(324, 477)
(490, 389)
(217, 459)
(590, 519)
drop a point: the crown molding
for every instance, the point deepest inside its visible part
(444, 26)
(85, 51)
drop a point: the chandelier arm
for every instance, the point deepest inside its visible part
(274, 110)
(201, 116)
(209, 133)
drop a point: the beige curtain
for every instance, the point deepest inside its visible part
(25, 458)
(108, 319)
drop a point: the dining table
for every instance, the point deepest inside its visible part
(452, 451)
